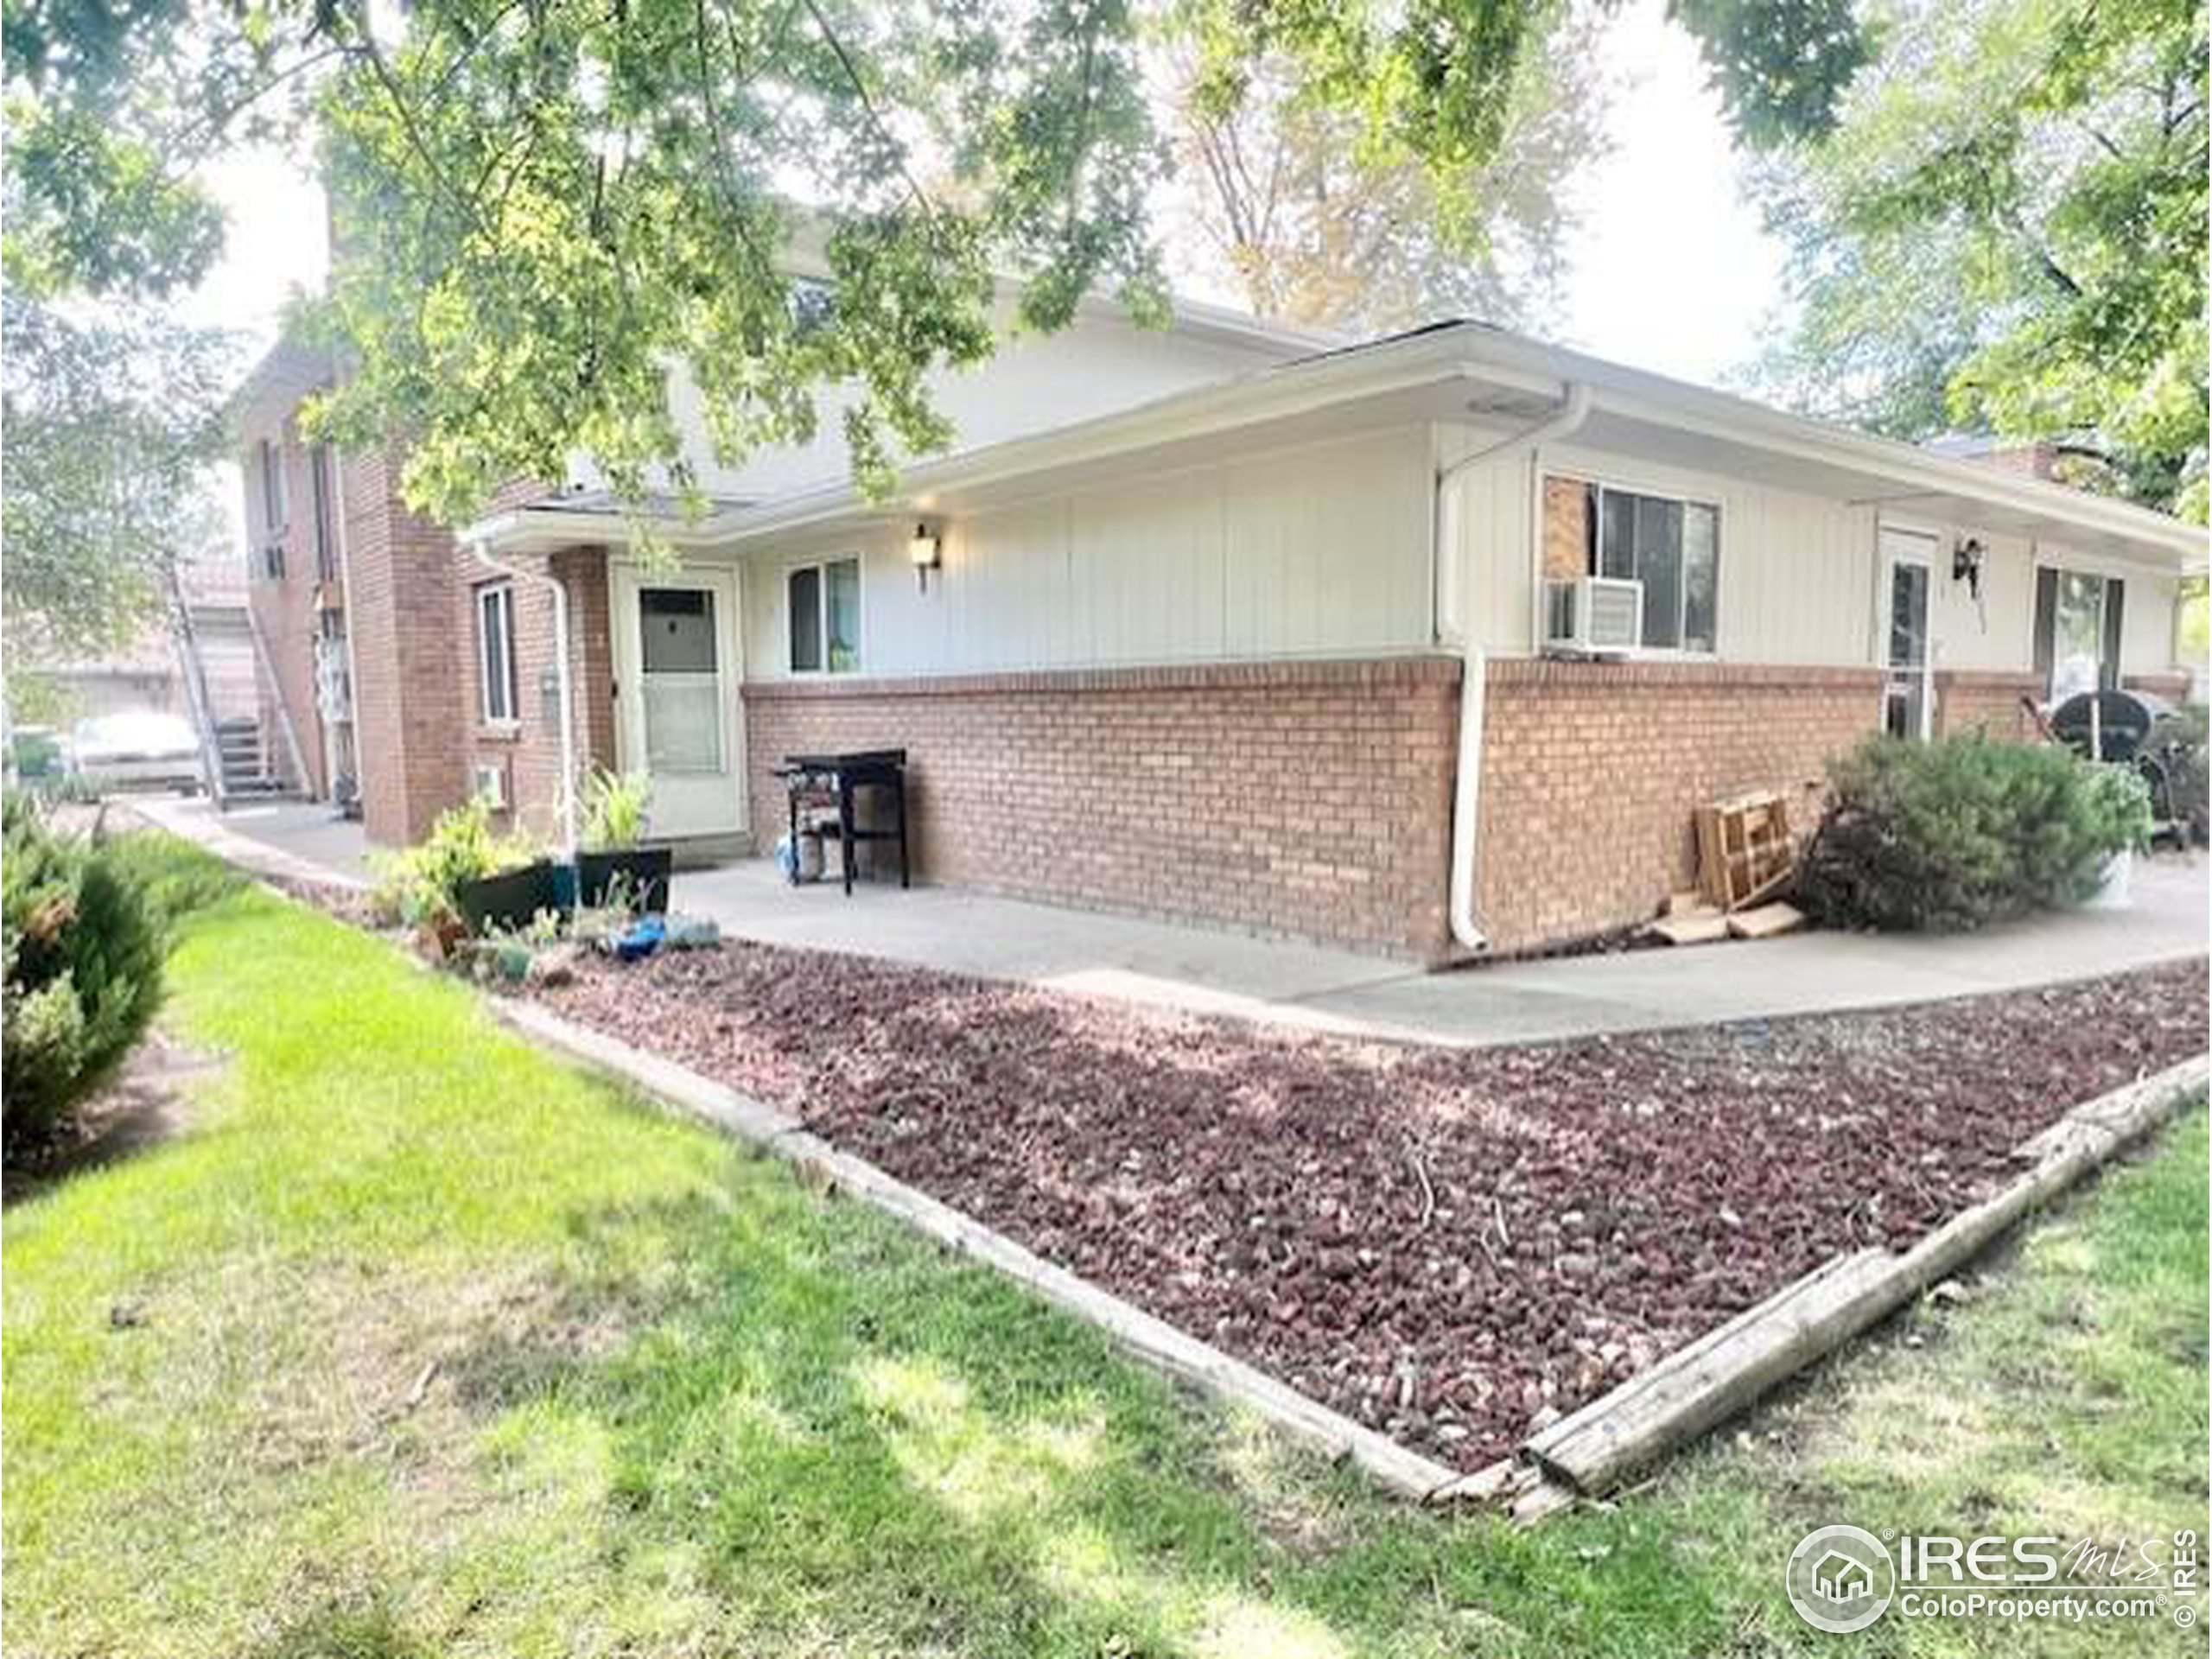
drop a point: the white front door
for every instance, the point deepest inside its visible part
(676, 677)
(1908, 698)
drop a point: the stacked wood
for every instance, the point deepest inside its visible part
(1764, 921)
(1745, 851)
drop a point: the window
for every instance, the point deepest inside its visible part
(1673, 548)
(495, 652)
(824, 602)
(322, 472)
(679, 680)
(2077, 632)
(275, 508)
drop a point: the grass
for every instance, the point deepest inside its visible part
(419, 1343)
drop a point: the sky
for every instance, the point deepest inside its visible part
(1669, 270)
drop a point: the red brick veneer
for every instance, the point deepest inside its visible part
(1305, 798)
(1591, 772)
(1987, 701)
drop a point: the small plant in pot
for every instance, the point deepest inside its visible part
(613, 861)
(465, 878)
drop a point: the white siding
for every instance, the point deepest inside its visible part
(1319, 550)
(1799, 580)
(1095, 366)
(1797, 577)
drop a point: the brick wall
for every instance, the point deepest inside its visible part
(2174, 686)
(1984, 700)
(1309, 799)
(1591, 772)
(1567, 528)
(410, 697)
(530, 750)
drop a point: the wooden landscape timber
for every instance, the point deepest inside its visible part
(1728, 1369)
(1140, 1334)
(1585, 1455)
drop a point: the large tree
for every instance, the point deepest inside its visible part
(541, 204)
(2006, 231)
(1289, 212)
(111, 417)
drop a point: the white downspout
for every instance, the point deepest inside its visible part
(1466, 796)
(559, 589)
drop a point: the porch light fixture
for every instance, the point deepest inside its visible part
(925, 551)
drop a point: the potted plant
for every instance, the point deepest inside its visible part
(465, 878)
(614, 862)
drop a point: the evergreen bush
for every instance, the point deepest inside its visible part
(82, 952)
(1954, 834)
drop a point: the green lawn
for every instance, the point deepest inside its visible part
(418, 1342)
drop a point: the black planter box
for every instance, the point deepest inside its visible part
(510, 899)
(641, 873)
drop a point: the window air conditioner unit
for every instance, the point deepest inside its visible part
(1593, 616)
(491, 786)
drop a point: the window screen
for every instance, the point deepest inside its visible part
(495, 644)
(805, 596)
(1673, 549)
(678, 629)
(825, 617)
(842, 606)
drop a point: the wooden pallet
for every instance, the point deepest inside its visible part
(1744, 849)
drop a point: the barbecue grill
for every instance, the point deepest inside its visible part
(2135, 728)
(818, 782)
(2108, 725)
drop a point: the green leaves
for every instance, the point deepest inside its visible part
(109, 419)
(2008, 230)
(556, 219)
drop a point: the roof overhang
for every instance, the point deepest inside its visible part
(1464, 372)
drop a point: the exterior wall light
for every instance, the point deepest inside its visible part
(926, 552)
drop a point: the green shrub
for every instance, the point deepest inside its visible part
(1953, 834)
(82, 951)
(172, 875)
(417, 888)
(615, 809)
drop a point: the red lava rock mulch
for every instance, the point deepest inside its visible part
(1442, 1244)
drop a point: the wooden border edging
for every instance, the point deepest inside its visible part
(1149, 1339)
(1724, 1371)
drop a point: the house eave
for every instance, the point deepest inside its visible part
(1438, 373)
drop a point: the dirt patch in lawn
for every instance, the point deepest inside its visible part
(1443, 1244)
(145, 1102)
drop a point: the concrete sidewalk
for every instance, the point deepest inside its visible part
(295, 840)
(1314, 989)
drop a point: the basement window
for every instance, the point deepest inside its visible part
(1672, 547)
(822, 608)
(495, 652)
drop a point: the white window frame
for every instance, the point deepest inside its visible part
(821, 567)
(1889, 554)
(496, 597)
(276, 489)
(1624, 485)
(2104, 579)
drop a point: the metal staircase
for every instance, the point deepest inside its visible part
(234, 762)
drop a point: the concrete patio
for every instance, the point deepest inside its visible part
(1316, 988)
(1312, 988)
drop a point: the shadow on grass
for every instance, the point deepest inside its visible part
(857, 1441)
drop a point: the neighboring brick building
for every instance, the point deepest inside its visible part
(1209, 626)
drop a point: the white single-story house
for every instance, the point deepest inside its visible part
(1429, 645)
